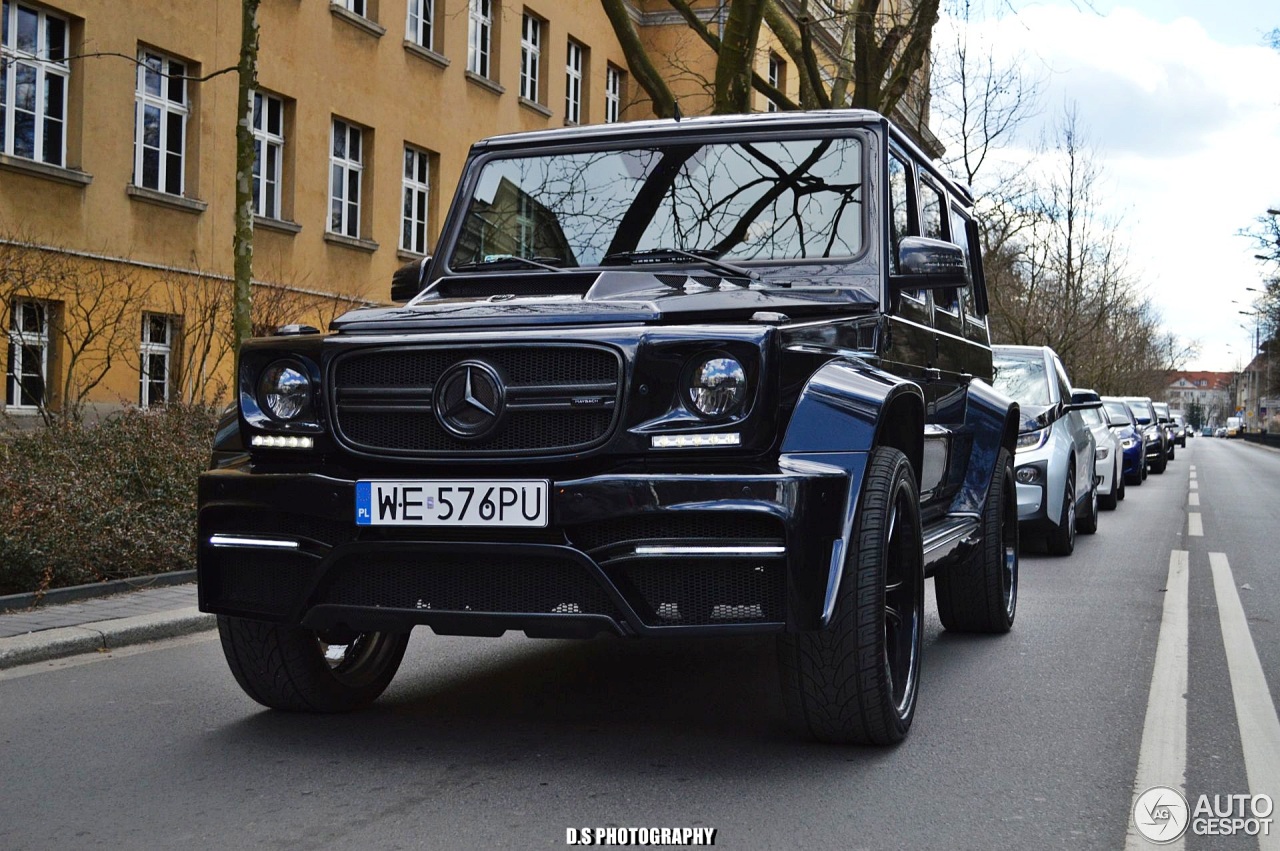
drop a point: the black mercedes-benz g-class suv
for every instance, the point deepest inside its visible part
(709, 377)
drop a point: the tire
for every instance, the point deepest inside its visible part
(1158, 466)
(1143, 473)
(1120, 491)
(981, 593)
(1062, 538)
(1172, 450)
(1109, 501)
(855, 681)
(1089, 523)
(285, 667)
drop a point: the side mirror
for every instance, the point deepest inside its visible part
(1082, 406)
(1084, 400)
(929, 264)
(409, 280)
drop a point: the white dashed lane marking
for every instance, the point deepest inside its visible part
(1194, 484)
(1162, 758)
(1193, 499)
(1255, 711)
(1195, 527)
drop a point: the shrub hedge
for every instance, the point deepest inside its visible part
(86, 502)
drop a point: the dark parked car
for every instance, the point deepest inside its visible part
(1170, 427)
(1155, 438)
(1132, 444)
(663, 379)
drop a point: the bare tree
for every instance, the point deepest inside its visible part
(879, 50)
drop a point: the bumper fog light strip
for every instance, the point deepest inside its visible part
(683, 441)
(698, 551)
(241, 541)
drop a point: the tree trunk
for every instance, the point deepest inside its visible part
(245, 155)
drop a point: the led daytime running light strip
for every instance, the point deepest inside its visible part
(279, 441)
(684, 441)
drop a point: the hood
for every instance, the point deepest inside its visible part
(609, 297)
(1034, 417)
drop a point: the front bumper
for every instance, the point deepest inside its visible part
(1133, 460)
(624, 554)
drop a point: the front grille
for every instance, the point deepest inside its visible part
(524, 584)
(688, 527)
(700, 592)
(559, 398)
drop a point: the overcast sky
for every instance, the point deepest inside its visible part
(1181, 100)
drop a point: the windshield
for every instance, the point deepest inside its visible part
(1143, 411)
(1118, 413)
(762, 200)
(1023, 378)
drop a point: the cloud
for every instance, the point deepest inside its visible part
(1187, 130)
(1158, 89)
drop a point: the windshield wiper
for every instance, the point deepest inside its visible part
(536, 262)
(657, 255)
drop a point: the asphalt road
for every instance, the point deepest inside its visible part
(1030, 740)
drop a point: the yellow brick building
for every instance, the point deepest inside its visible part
(117, 162)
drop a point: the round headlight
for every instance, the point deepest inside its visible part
(718, 386)
(284, 391)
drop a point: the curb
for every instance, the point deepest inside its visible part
(93, 590)
(102, 635)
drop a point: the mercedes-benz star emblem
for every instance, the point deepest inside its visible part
(469, 399)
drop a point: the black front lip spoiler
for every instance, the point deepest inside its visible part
(808, 502)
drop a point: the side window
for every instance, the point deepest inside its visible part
(899, 215)
(930, 212)
(960, 236)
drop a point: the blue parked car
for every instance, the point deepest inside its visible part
(1132, 444)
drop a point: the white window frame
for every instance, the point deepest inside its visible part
(479, 36)
(149, 348)
(530, 56)
(612, 95)
(416, 199)
(19, 340)
(44, 71)
(268, 175)
(573, 64)
(776, 64)
(355, 7)
(420, 28)
(172, 72)
(341, 169)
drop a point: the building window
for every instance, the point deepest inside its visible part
(28, 354)
(160, 123)
(34, 74)
(421, 29)
(345, 172)
(354, 6)
(479, 34)
(777, 78)
(573, 84)
(157, 359)
(417, 192)
(530, 56)
(612, 95)
(268, 154)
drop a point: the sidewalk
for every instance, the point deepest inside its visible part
(53, 631)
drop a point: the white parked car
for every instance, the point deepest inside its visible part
(1108, 453)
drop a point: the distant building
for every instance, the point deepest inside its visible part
(1212, 391)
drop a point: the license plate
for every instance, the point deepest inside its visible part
(453, 502)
